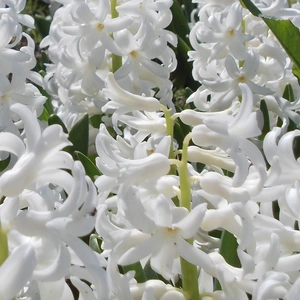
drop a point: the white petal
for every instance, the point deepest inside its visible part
(140, 251)
(195, 256)
(251, 64)
(162, 261)
(125, 40)
(218, 85)
(55, 290)
(137, 171)
(134, 210)
(11, 143)
(57, 268)
(237, 49)
(85, 290)
(217, 158)
(234, 17)
(88, 258)
(162, 213)
(26, 20)
(294, 292)
(117, 94)
(231, 67)
(191, 223)
(31, 125)
(16, 270)
(258, 89)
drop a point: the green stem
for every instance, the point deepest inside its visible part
(3, 245)
(185, 199)
(116, 60)
(4, 252)
(188, 270)
(189, 280)
(170, 132)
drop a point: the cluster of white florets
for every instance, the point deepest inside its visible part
(153, 205)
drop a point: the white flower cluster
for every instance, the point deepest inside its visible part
(89, 39)
(17, 60)
(214, 215)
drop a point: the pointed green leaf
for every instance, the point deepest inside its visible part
(4, 163)
(275, 209)
(55, 119)
(44, 115)
(188, 7)
(228, 249)
(296, 147)
(149, 272)
(48, 103)
(79, 136)
(265, 112)
(96, 120)
(288, 93)
(90, 168)
(296, 72)
(139, 272)
(285, 31)
(95, 243)
(179, 24)
(42, 25)
(3, 245)
(180, 131)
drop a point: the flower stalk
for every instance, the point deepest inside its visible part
(185, 199)
(188, 270)
(116, 59)
(3, 245)
(170, 132)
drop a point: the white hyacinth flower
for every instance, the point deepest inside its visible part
(16, 271)
(163, 233)
(39, 160)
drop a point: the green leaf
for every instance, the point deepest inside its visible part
(296, 147)
(139, 272)
(188, 7)
(79, 136)
(47, 105)
(95, 243)
(54, 119)
(180, 131)
(296, 72)
(48, 108)
(275, 209)
(182, 76)
(4, 163)
(90, 168)
(42, 25)
(285, 31)
(288, 93)
(4, 253)
(44, 115)
(265, 112)
(228, 249)
(96, 120)
(179, 24)
(149, 272)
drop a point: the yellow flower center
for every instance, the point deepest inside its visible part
(171, 232)
(100, 26)
(133, 54)
(149, 152)
(242, 79)
(231, 32)
(4, 97)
